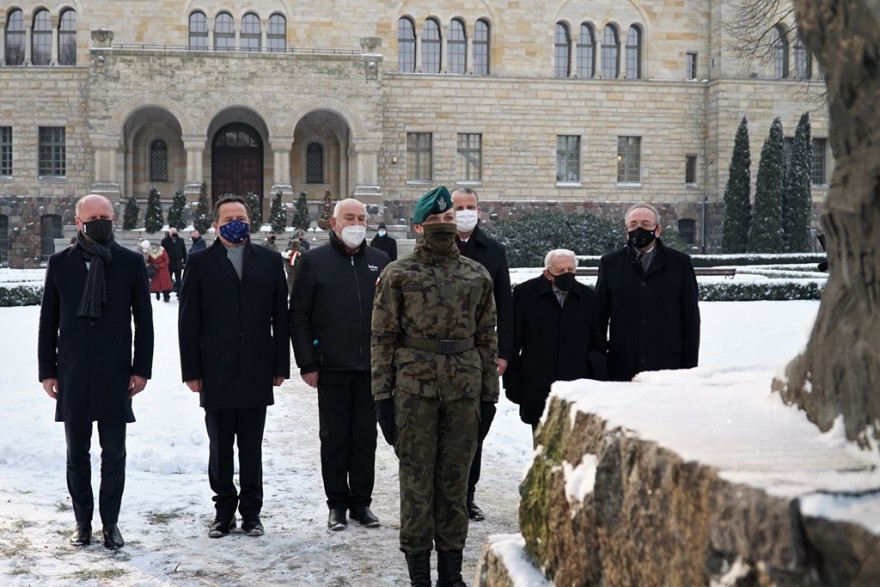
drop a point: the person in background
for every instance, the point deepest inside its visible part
(198, 242)
(475, 244)
(89, 363)
(269, 242)
(383, 242)
(291, 255)
(232, 332)
(176, 249)
(160, 279)
(648, 293)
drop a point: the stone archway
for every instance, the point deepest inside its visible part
(236, 161)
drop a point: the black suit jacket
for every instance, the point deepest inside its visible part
(654, 317)
(233, 332)
(92, 357)
(551, 343)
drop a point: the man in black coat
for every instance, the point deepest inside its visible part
(383, 242)
(649, 294)
(232, 330)
(479, 246)
(330, 311)
(176, 249)
(197, 240)
(93, 290)
(556, 335)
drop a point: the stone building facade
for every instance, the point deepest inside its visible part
(588, 106)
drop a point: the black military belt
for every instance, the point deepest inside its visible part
(444, 347)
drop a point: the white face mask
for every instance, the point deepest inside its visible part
(466, 220)
(381, 233)
(353, 235)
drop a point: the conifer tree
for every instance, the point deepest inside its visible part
(130, 216)
(301, 216)
(737, 193)
(277, 214)
(153, 218)
(765, 230)
(326, 211)
(796, 204)
(203, 218)
(256, 209)
(176, 218)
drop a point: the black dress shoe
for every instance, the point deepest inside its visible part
(82, 536)
(112, 537)
(365, 516)
(251, 525)
(221, 526)
(474, 512)
(337, 521)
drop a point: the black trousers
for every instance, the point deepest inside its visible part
(111, 436)
(474, 474)
(348, 437)
(175, 272)
(243, 426)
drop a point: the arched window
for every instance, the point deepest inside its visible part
(158, 160)
(67, 38)
(50, 229)
(4, 240)
(406, 46)
(481, 48)
(803, 60)
(586, 52)
(457, 46)
(431, 46)
(314, 163)
(276, 35)
(15, 38)
(560, 50)
(610, 51)
(780, 53)
(198, 31)
(41, 49)
(250, 32)
(634, 53)
(224, 32)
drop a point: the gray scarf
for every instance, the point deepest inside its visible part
(95, 291)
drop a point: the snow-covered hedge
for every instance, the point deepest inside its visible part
(20, 295)
(775, 259)
(752, 291)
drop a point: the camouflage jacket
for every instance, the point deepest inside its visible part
(434, 295)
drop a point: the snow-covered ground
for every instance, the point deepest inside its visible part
(167, 505)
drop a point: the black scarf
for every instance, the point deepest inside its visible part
(95, 291)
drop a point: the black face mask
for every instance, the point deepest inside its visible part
(99, 230)
(564, 281)
(641, 238)
(194, 238)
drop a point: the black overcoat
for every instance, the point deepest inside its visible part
(385, 243)
(176, 249)
(654, 316)
(94, 358)
(551, 343)
(491, 255)
(233, 332)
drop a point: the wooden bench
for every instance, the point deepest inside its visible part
(700, 271)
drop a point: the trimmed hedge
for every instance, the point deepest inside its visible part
(776, 260)
(21, 295)
(756, 291)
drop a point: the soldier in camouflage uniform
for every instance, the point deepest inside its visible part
(435, 384)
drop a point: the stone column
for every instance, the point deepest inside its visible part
(195, 153)
(367, 187)
(105, 179)
(53, 60)
(281, 180)
(470, 31)
(572, 56)
(28, 35)
(2, 39)
(444, 56)
(418, 35)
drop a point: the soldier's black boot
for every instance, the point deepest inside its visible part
(419, 566)
(449, 569)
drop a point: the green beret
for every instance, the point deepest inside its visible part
(434, 202)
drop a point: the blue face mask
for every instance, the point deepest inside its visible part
(236, 231)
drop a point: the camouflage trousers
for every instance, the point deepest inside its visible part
(435, 444)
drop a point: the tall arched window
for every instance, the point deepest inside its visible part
(158, 160)
(586, 52)
(315, 163)
(198, 31)
(15, 38)
(250, 32)
(406, 46)
(50, 229)
(780, 53)
(560, 50)
(481, 48)
(457, 46)
(224, 32)
(67, 38)
(41, 48)
(634, 53)
(803, 60)
(276, 35)
(610, 52)
(431, 46)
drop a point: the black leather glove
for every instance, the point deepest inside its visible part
(487, 414)
(385, 417)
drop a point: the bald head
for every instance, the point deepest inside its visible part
(88, 205)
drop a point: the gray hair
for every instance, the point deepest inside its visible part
(340, 203)
(548, 259)
(646, 206)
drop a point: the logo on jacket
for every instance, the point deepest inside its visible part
(373, 267)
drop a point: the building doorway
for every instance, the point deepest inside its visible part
(237, 162)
